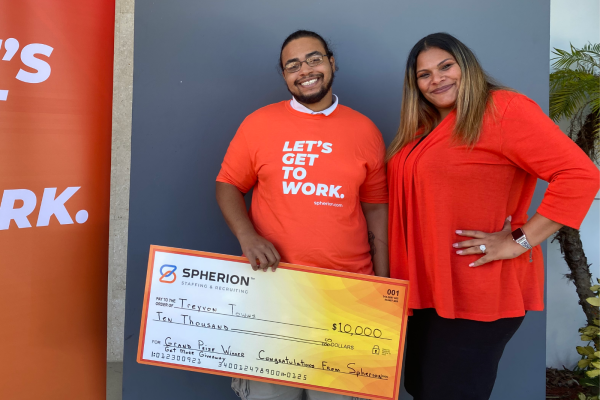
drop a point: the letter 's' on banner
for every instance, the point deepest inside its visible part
(56, 66)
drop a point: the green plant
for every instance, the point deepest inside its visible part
(584, 397)
(589, 365)
(574, 84)
(575, 95)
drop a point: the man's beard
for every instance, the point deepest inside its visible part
(315, 97)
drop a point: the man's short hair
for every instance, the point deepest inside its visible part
(303, 34)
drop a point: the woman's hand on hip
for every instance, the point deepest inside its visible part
(493, 246)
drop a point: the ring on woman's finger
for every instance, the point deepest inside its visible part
(482, 248)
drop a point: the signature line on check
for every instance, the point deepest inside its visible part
(256, 319)
(288, 338)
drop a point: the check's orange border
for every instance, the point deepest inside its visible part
(243, 260)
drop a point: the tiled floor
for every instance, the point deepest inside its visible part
(114, 380)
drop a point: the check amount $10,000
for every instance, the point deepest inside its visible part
(300, 326)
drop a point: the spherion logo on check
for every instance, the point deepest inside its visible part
(166, 272)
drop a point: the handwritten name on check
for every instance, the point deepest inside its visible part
(299, 326)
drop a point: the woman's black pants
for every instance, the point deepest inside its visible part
(454, 359)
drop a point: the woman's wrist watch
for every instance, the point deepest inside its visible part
(519, 236)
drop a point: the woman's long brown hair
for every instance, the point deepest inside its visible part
(419, 117)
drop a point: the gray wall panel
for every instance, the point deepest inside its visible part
(202, 67)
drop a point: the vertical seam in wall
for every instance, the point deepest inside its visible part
(120, 165)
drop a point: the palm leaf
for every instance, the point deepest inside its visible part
(593, 50)
(575, 85)
(586, 59)
(570, 90)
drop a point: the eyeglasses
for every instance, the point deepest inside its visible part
(312, 61)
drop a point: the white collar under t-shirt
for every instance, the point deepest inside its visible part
(299, 107)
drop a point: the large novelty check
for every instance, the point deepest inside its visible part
(299, 326)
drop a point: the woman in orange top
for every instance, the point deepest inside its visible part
(461, 172)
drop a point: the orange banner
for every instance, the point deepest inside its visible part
(56, 66)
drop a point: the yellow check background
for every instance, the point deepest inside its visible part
(285, 304)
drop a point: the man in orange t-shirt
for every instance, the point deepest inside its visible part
(320, 191)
